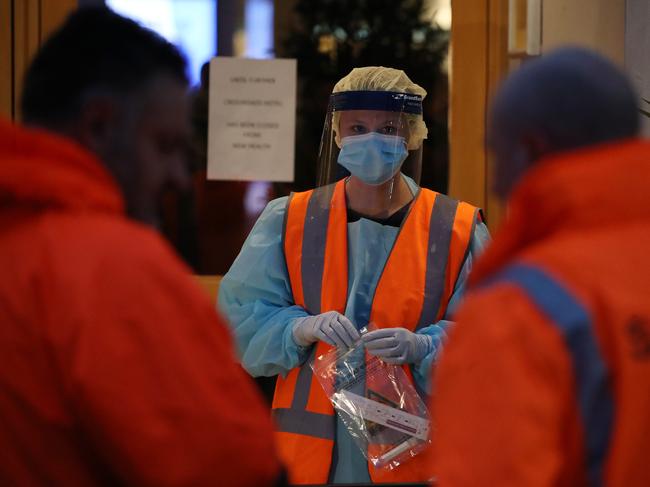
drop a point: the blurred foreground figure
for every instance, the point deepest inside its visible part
(546, 380)
(115, 369)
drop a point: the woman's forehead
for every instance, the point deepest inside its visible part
(369, 115)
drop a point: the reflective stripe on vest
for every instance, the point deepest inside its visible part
(594, 396)
(442, 218)
(315, 244)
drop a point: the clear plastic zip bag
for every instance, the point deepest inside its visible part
(377, 403)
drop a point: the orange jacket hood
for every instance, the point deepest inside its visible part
(38, 169)
(573, 192)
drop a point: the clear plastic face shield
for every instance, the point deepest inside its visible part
(373, 141)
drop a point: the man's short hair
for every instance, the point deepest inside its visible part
(572, 96)
(94, 50)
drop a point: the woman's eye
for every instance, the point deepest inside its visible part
(358, 129)
(389, 130)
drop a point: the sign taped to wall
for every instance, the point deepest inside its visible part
(252, 118)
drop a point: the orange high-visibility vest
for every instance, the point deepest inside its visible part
(413, 291)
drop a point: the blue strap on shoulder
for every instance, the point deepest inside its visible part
(595, 400)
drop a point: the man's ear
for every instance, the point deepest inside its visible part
(96, 123)
(535, 145)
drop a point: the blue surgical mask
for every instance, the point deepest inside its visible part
(373, 158)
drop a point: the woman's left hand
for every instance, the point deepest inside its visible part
(397, 345)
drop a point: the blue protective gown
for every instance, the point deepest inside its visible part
(255, 295)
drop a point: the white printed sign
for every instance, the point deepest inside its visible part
(252, 118)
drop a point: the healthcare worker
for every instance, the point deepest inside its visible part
(367, 246)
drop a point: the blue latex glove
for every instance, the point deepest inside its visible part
(397, 345)
(331, 327)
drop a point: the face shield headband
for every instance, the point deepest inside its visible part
(388, 101)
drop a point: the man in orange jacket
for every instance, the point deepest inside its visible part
(546, 379)
(114, 368)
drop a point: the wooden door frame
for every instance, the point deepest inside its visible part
(478, 60)
(24, 26)
(6, 60)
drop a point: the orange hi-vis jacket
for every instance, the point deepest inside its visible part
(413, 291)
(545, 380)
(114, 367)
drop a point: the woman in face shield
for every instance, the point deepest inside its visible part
(367, 246)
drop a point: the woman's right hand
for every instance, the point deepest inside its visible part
(331, 327)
